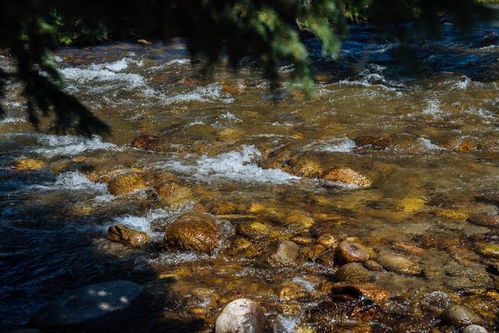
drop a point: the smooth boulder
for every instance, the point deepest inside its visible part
(241, 316)
(94, 305)
(193, 232)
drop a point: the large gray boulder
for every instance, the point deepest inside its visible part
(98, 305)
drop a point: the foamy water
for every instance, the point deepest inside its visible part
(235, 165)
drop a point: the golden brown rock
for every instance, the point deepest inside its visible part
(28, 164)
(123, 234)
(346, 176)
(351, 251)
(125, 183)
(193, 232)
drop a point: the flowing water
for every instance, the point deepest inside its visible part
(426, 138)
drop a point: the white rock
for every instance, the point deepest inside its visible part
(474, 329)
(241, 316)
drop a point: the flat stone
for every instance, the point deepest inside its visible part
(399, 264)
(96, 303)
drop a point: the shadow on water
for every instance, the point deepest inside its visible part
(46, 251)
(407, 59)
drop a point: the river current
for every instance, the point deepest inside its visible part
(424, 135)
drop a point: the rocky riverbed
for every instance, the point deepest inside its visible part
(371, 206)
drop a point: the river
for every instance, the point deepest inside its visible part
(421, 141)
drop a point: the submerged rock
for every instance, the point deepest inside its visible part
(96, 305)
(374, 142)
(125, 183)
(398, 264)
(145, 141)
(193, 232)
(28, 164)
(254, 229)
(285, 254)
(351, 251)
(484, 220)
(174, 195)
(241, 316)
(474, 329)
(123, 234)
(352, 272)
(347, 176)
(458, 315)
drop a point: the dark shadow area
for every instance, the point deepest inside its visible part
(47, 250)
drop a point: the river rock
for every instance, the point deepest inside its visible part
(193, 232)
(398, 264)
(458, 315)
(307, 167)
(352, 272)
(484, 220)
(174, 195)
(145, 141)
(286, 254)
(347, 176)
(357, 290)
(373, 142)
(254, 229)
(241, 316)
(351, 251)
(125, 183)
(94, 305)
(123, 234)
(28, 164)
(474, 329)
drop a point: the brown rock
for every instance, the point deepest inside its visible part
(353, 272)
(374, 142)
(193, 232)
(28, 164)
(347, 176)
(369, 290)
(254, 229)
(125, 183)
(145, 141)
(398, 264)
(351, 251)
(484, 220)
(123, 234)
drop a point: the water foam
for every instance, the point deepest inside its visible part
(209, 93)
(65, 145)
(337, 145)
(235, 165)
(73, 180)
(143, 223)
(105, 72)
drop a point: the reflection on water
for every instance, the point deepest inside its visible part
(428, 144)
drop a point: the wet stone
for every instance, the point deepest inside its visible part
(193, 232)
(458, 315)
(123, 234)
(241, 315)
(28, 164)
(254, 229)
(286, 254)
(474, 329)
(352, 272)
(125, 183)
(352, 251)
(346, 176)
(484, 220)
(97, 304)
(398, 264)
